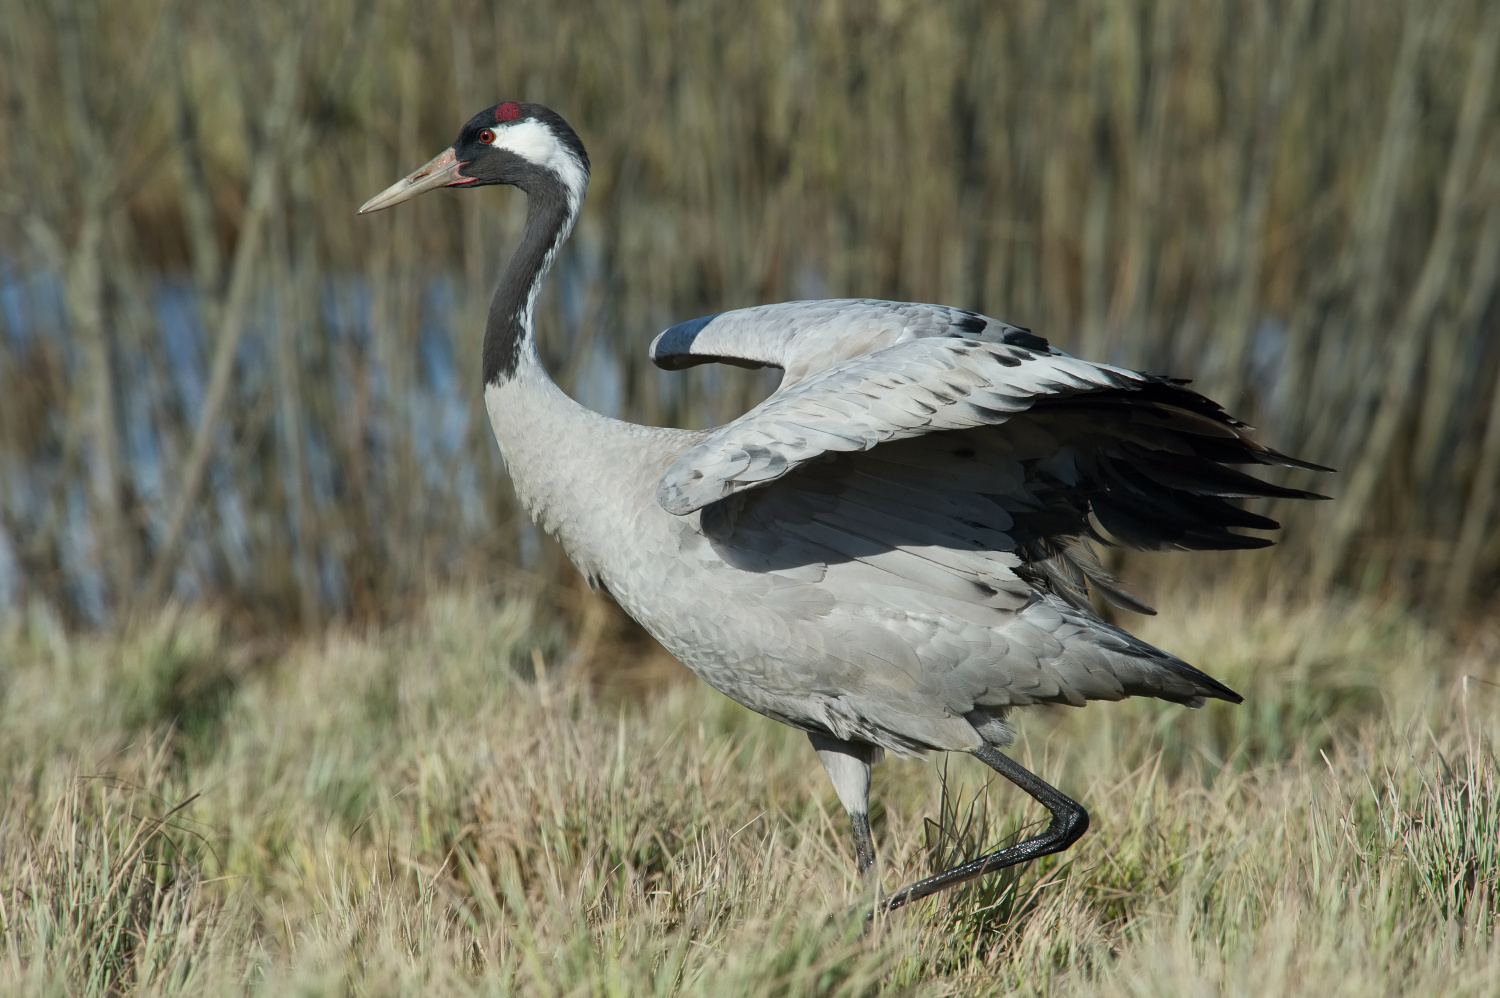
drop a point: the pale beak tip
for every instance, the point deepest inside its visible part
(440, 172)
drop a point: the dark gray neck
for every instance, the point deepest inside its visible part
(510, 328)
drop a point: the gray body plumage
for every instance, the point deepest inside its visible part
(844, 558)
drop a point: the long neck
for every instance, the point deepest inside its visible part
(549, 441)
(579, 475)
(510, 330)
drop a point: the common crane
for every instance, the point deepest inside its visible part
(891, 552)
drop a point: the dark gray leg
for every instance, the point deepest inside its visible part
(1069, 822)
(848, 765)
(864, 845)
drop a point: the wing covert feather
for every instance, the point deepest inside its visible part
(899, 391)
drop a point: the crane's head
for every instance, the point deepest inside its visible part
(525, 145)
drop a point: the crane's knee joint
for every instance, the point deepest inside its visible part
(1068, 825)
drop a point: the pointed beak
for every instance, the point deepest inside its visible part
(441, 171)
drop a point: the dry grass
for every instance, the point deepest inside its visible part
(413, 811)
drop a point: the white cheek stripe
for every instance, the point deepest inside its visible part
(535, 143)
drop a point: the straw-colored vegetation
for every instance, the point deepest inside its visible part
(447, 807)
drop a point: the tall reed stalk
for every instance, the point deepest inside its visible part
(216, 381)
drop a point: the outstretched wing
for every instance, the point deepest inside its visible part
(925, 369)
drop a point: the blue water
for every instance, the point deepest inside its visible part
(434, 418)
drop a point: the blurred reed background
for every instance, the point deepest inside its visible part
(217, 382)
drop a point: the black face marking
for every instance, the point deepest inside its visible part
(488, 165)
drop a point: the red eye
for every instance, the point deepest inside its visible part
(486, 136)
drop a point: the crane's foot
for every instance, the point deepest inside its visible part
(1069, 822)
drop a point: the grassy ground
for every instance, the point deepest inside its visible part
(414, 811)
